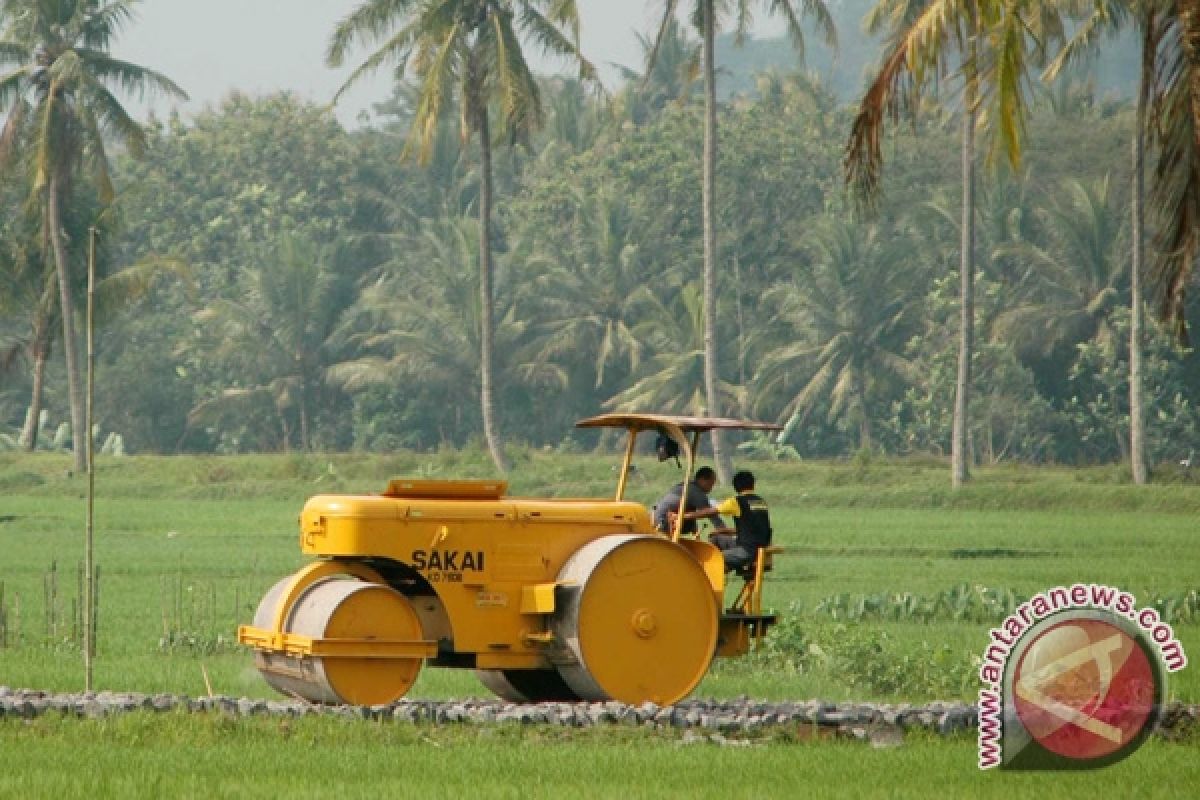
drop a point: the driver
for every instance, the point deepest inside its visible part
(697, 499)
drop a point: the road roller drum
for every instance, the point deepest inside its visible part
(639, 623)
(527, 685)
(336, 608)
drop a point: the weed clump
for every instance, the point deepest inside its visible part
(865, 659)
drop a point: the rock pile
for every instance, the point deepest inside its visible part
(876, 722)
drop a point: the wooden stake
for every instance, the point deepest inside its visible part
(89, 597)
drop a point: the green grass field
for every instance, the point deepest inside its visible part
(215, 756)
(186, 546)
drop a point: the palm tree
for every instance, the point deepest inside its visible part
(674, 331)
(706, 17)
(27, 288)
(792, 92)
(468, 50)
(1007, 217)
(1006, 221)
(846, 318)
(1152, 20)
(280, 332)
(991, 44)
(421, 326)
(58, 91)
(670, 75)
(900, 16)
(1079, 274)
(38, 346)
(450, 184)
(1175, 192)
(595, 293)
(29, 293)
(577, 119)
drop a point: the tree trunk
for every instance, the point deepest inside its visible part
(67, 307)
(40, 352)
(741, 321)
(864, 423)
(959, 455)
(711, 379)
(490, 432)
(305, 443)
(1137, 420)
(41, 337)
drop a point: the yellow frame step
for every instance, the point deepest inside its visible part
(299, 645)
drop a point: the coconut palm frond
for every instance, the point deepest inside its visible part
(1175, 194)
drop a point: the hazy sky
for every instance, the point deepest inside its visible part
(210, 47)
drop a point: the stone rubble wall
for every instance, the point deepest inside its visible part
(878, 723)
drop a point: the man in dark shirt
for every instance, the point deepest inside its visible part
(751, 517)
(697, 499)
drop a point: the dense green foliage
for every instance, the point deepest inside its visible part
(330, 297)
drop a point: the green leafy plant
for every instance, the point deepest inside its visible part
(962, 603)
(865, 658)
(868, 658)
(1180, 607)
(763, 445)
(195, 619)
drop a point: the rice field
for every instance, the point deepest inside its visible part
(186, 546)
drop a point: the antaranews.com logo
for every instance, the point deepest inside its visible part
(1074, 678)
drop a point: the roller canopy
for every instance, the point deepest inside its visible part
(685, 424)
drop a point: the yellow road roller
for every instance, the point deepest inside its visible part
(546, 599)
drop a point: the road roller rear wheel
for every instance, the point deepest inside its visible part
(341, 608)
(528, 685)
(639, 621)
